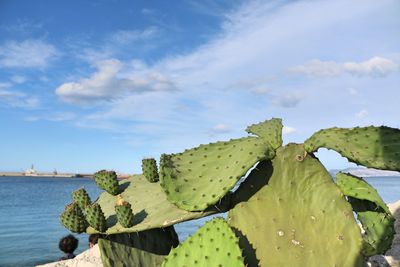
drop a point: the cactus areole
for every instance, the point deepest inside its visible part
(288, 211)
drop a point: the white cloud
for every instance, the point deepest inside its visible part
(288, 100)
(220, 128)
(353, 91)
(362, 114)
(128, 36)
(55, 117)
(18, 79)
(317, 67)
(375, 67)
(288, 130)
(27, 54)
(18, 99)
(109, 82)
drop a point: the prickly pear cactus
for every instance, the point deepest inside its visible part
(107, 180)
(269, 130)
(124, 213)
(372, 212)
(150, 207)
(73, 219)
(372, 147)
(142, 249)
(214, 244)
(200, 177)
(81, 197)
(95, 217)
(150, 171)
(300, 218)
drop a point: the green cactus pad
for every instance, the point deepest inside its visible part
(373, 147)
(372, 212)
(142, 249)
(95, 217)
(356, 187)
(269, 130)
(150, 207)
(214, 244)
(73, 219)
(298, 218)
(200, 177)
(149, 169)
(124, 213)
(81, 197)
(107, 180)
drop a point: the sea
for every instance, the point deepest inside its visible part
(30, 207)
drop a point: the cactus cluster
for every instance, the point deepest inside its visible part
(107, 180)
(288, 210)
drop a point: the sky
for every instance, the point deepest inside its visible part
(90, 85)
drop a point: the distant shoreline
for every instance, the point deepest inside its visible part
(58, 175)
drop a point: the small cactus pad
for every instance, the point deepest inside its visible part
(124, 213)
(149, 169)
(372, 212)
(81, 198)
(107, 180)
(200, 177)
(373, 147)
(300, 218)
(356, 187)
(142, 249)
(95, 217)
(150, 207)
(73, 219)
(269, 130)
(214, 244)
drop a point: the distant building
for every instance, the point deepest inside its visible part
(31, 172)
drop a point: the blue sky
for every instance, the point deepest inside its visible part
(89, 85)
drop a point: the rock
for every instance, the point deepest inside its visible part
(88, 258)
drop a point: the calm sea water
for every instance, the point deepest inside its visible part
(30, 206)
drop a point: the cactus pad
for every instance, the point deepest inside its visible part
(81, 197)
(107, 180)
(373, 147)
(142, 249)
(149, 169)
(372, 212)
(124, 213)
(95, 217)
(300, 218)
(269, 130)
(150, 207)
(199, 177)
(73, 219)
(214, 244)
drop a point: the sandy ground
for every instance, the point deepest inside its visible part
(92, 257)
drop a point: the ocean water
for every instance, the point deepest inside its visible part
(30, 206)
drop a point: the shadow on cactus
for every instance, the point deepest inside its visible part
(288, 211)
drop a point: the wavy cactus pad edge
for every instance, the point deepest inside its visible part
(201, 176)
(372, 147)
(269, 130)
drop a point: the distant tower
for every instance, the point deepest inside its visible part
(31, 171)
